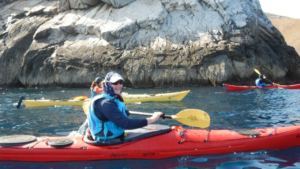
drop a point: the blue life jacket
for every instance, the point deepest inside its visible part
(259, 84)
(92, 93)
(96, 125)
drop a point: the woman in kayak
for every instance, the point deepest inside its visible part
(108, 114)
(262, 81)
(96, 87)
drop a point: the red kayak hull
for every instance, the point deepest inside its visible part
(235, 87)
(196, 142)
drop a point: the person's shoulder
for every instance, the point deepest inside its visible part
(105, 101)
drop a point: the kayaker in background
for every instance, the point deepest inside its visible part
(96, 87)
(108, 115)
(263, 82)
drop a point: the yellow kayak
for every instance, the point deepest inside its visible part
(161, 97)
(128, 98)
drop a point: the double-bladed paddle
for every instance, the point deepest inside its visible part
(189, 117)
(268, 79)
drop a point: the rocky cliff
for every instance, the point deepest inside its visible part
(152, 43)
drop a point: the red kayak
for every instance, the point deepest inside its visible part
(173, 142)
(234, 87)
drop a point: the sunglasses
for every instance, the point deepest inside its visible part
(118, 82)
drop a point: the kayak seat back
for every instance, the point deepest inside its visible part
(250, 133)
(133, 135)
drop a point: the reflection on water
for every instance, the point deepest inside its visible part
(229, 110)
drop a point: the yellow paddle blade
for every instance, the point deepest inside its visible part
(85, 107)
(257, 71)
(193, 117)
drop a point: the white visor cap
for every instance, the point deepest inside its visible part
(116, 77)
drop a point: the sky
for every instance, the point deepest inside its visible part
(289, 8)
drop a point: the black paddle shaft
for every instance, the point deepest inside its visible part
(164, 116)
(20, 101)
(150, 114)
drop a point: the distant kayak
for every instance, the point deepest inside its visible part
(150, 142)
(234, 87)
(128, 98)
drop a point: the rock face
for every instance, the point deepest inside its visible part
(152, 43)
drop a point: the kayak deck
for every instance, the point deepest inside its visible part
(171, 144)
(128, 98)
(161, 97)
(48, 103)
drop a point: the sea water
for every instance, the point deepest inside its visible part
(228, 110)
